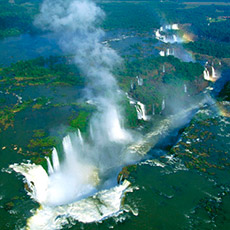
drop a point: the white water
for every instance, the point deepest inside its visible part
(143, 145)
(153, 110)
(131, 86)
(141, 111)
(206, 74)
(175, 27)
(65, 182)
(168, 52)
(95, 208)
(80, 137)
(63, 190)
(163, 105)
(139, 80)
(162, 53)
(56, 164)
(185, 88)
(102, 204)
(214, 76)
(174, 38)
(87, 164)
(210, 76)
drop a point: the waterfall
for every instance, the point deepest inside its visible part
(175, 27)
(158, 35)
(50, 167)
(210, 77)
(131, 86)
(206, 74)
(139, 80)
(168, 34)
(153, 110)
(163, 105)
(168, 52)
(214, 76)
(75, 24)
(80, 137)
(141, 112)
(91, 132)
(68, 148)
(163, 69)
(185, 88)
(61, 185)
(162, 53)
(55, 160)
(174, 38)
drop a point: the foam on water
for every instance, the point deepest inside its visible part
(93, 209)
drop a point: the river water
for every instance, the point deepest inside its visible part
(186, 187)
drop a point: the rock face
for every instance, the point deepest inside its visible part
(124, 173)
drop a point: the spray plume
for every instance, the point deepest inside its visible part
(86, 167)
(76, 24)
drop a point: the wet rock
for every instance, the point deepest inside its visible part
(125, 172)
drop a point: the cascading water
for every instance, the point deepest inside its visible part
(86, 167)
(175, 27)
(170, 34)
(210, 77)
(161, 34)
(141, 112)
(214, 76)
(131, 86)
(153, 110)
(162, 53)
(185, 88)
(168, 52)
(64, 183)
(139, 80)
(163, 105)
(206, 74)
(174, 38)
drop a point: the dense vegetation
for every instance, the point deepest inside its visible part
(219, 50)
(54, 71)
(16, 17)
(225, 92)
(156, 83)
(140, 17)
(209, 23)
(211, 30)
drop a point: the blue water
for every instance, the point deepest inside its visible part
(27, 46)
